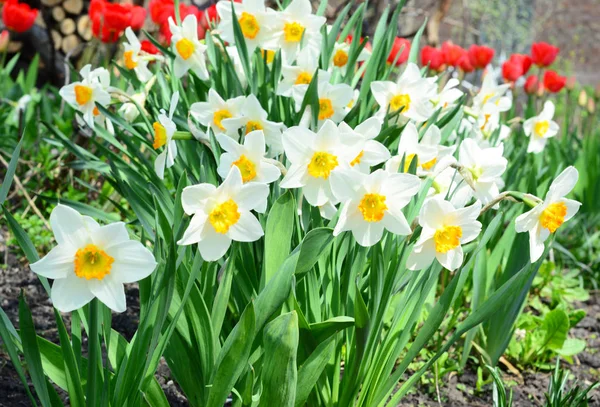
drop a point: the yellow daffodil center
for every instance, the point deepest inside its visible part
(372, 207)
(303, 79)
(541, 128)
(553, 216)
(357, 159)
(321, 164)
(224, 215)
(487, 97)
(340, 58)
(92, 262)
(429, 164)
(408, 161)
(447, 238)
(400, 101)
(221, 115)
(247, 168)
(160, 135)
(83, 94)
(487, 119)
(253, 125)
(292, 32)
(185, 48)
(128, 59)
(476, 172)
(325, 109)
(268, 54)
(96, 111)
(249, 25)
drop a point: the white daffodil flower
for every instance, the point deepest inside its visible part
(410, 147)
(341, 54)
(164, 129)
(546, 217)
(132, 58)
(91, 261)
(333, 102)
(314, 156)
(212, 112)
(540, 128)
(222, 214)
(295, 28)
(411, 93)
(254, 117)
(129, 110)
(372, 203)
(372, 152)
(189, 51)
(92, 89)
(254, 20)
(248, 157)
(492, 93)
(448, 184)
(486, 166)
(445, 229)
(298, 77)
(449, 95)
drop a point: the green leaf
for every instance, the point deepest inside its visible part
(32, 352)
(278, 235)
(323, 330)
(311, 370)
(76, 395)
(233, 358)
(571, 347)
(315, 243)
(414, 46)
(10, 172)
(279, 367)
(555, 326)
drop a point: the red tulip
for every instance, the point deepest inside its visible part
(4, 38)
(464, 63)
(543, 54)
(433, 57)
(399, 44)
(161, 10)
(138, 16)
(18, 17)
(553, 81)
(512, 70)
(452, 53)
(523, 60)
(480, 56)
(148, 47)
(531, 85)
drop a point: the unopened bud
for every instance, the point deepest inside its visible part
(582, 100)
(4, 39)
(571, 81)
(591, 106)
(598, 90)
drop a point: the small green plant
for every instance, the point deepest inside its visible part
(559, 396)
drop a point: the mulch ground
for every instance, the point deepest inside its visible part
(453, 391)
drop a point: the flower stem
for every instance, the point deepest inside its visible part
(182, 135)
(94, 353)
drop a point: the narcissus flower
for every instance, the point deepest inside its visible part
(445, 229)
(222, 214)
(424, 152)
(253, 18)
(300, 75)
(164, 129)
(254, 117)
(215, 110)
(18, 17)
(84, 95)
(372, 203)
(492, 93)
(540, 128)
(480, 56)
(189, 51)
(132, 59)
(447, 98)
(314, 157)
(333, 101)
(433, 57)
(91, 261)
(411, 93)
(399, 52)
(295, 28)
(485, 165)
(554, 82)
(372, 151)
(452, 53)
(546, 217)
(340, 57)
(248, 157)
(543, 54)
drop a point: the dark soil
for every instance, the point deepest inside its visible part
(454, 390)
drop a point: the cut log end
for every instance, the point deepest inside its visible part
(69, 43)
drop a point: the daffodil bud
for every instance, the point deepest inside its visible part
(582, 100)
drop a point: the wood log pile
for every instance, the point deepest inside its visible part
(70, 24)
